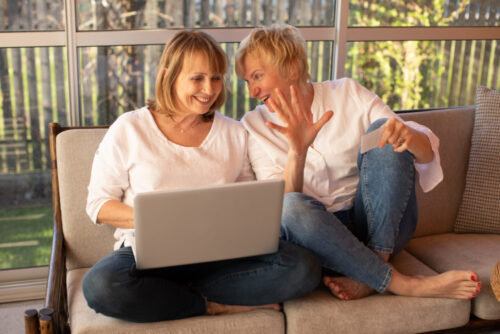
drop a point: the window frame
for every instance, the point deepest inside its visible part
(29, 283)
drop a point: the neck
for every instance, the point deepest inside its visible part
(184, 123)
(306, 91)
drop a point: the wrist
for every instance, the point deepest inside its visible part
(298, 155)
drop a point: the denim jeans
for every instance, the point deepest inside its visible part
(382, 219)
(114, 287)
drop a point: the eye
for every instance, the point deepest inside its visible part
(257, 76)
(216, 78)
(197, 78)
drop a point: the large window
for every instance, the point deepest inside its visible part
(85, 62)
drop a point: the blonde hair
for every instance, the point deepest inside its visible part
(281, 45)
(182, 47)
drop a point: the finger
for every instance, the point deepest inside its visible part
(397, 137)
(297, 105)
(322, 121)
(276, 127)
(385, 135)
(388, 131)
(277, 109)
(401, 146)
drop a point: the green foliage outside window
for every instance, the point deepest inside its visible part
(421, 74)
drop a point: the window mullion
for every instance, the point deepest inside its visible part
(340, 51)
(72, 60)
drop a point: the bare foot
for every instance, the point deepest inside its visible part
(347, 289)
(451, 284)
(216, 309)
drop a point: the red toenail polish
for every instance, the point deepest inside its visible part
(477, 290)
(479, 284)
(473, 278)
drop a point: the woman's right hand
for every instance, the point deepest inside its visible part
(300, 130)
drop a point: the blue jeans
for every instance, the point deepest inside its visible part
(382, 219)
(114, 287)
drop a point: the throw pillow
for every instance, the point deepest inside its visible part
(480, 207)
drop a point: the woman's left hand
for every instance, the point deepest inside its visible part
(403, 137)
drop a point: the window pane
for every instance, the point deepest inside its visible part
(31, 15)
(425, 74)
(379, 13)
(33, 92)
(121, 78)
(151, 14)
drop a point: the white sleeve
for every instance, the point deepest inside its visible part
(246, 173)
(109, 178)
(431, 173)
(262, 165)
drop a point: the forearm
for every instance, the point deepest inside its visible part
(294, 172)
(116, 214)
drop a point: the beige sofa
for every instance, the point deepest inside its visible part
(78, 244)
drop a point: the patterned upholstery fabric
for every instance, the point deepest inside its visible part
(480, 205)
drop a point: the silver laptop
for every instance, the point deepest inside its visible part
(207, 224)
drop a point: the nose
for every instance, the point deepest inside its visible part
(253, 90)
(209, 87)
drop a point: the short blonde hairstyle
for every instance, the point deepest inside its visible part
(280, 45)
(183, 46)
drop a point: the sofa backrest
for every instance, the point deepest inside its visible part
(85, 242)
(438, 208)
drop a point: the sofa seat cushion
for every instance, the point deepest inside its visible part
(85, 320)
(476, 252)
(320, 312)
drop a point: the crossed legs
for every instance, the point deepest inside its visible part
(358, 243)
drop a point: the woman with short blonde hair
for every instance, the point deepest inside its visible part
(353, 209)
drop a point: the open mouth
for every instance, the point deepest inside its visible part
(202, 99)
(264, 99)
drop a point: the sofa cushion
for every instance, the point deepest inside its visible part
(438, 208)
(320, 312)
(85, 242)
(476, 252)
(481, 198)
(84, 320)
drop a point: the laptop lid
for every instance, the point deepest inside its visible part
(207, 224)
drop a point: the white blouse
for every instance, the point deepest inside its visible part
(134, 156)
(331, 173)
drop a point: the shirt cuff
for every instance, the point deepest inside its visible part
(430, 173)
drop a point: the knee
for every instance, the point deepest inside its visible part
(97, 287)
(299, 206)
(298, 212)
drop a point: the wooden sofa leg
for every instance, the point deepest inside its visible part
(46, 324)
(45, 320)
(31, 322)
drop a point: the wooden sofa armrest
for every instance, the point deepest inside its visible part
(57, 297)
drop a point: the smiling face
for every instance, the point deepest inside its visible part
(262, 79)
(197, 86)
